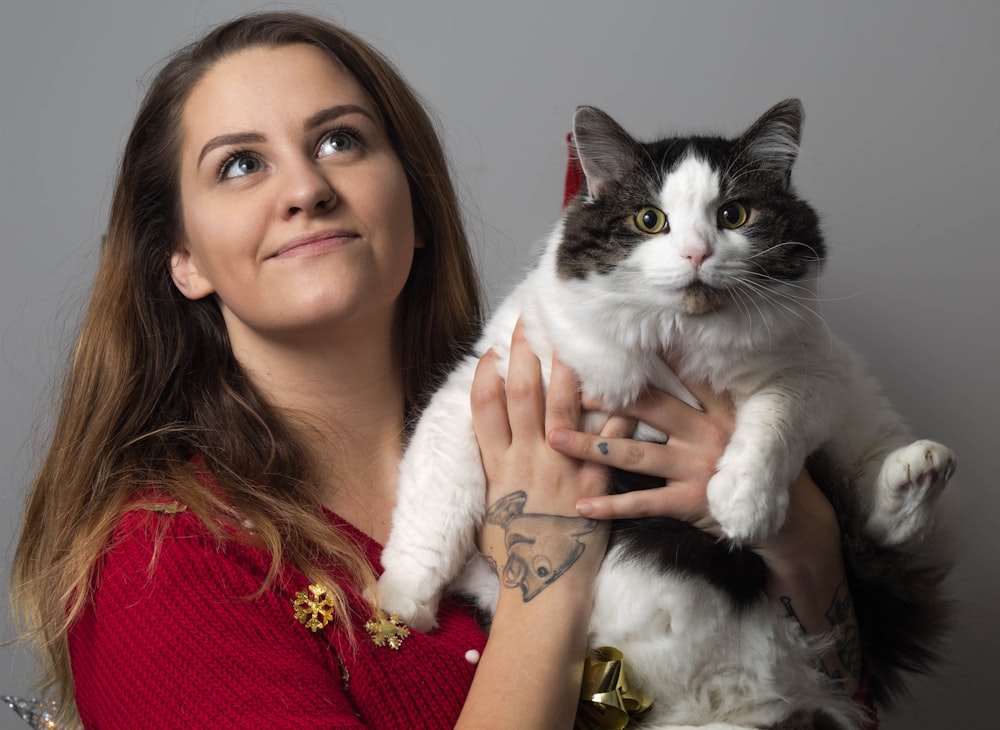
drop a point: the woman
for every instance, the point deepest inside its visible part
(285, 279)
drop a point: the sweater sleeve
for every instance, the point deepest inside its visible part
(186, 642)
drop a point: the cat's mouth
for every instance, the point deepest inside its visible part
(700, 298)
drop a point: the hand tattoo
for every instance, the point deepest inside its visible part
(540, 548)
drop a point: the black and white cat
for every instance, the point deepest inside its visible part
(698, 248)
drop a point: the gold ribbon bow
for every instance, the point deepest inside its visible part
(606, 701)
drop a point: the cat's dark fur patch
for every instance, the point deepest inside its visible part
(677, 547)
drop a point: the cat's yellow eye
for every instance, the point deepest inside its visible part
(733, 215)
(651, 220)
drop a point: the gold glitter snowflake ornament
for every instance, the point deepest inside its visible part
(313, 612)
(386, 630)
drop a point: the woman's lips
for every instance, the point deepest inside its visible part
(313, 243)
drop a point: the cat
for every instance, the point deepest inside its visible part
(696, 248)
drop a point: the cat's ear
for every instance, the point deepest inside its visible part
(773, 140)
(605, 150)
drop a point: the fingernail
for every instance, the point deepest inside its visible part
(559, 437)
(584, 508)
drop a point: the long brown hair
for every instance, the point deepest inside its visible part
(152, 381)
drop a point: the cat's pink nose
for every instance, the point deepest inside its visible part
(696, 254)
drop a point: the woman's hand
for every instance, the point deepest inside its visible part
(687, 460)
(527, 478)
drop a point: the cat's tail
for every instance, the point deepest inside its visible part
(904, 614)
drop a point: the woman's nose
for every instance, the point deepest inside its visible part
(307, 190)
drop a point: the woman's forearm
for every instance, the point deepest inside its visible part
(823, 607)
(530, 672)
(807, 580)
(529, 675)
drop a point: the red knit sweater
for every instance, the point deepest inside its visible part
(186, 645)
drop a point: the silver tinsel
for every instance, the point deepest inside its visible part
(38, 713)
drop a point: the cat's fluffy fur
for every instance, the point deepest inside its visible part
(731, 304)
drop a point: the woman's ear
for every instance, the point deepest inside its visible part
(186, 274)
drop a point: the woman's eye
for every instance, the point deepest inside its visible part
(338, 142)
(238, 166)
(733, 215)
(651, 220)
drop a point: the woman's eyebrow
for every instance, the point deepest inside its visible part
(324, 116)
(237, 138)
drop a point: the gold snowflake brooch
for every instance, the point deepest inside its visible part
(314, 611)
(386, 630)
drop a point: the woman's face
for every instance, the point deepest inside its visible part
(296, 209)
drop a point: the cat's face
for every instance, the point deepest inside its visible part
(694, 223)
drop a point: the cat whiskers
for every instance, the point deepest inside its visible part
(759, 287)
(737, 294)
(748, 293)
(816, 257)
(772, 289)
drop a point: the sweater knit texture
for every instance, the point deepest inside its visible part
(188, 644)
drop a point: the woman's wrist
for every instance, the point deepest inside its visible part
(810, 539)
(808, 582)
(535, 653)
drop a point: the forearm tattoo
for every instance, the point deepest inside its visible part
(844, 662)
(540, 548)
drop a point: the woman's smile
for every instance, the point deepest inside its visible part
(309, 244)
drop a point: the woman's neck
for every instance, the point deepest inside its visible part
(345, 401)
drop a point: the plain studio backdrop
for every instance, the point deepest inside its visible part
(899, 154)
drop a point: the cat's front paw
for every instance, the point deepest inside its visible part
(746, 505)
(908, 486)
(398, 598)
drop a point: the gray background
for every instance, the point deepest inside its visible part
(900, 154)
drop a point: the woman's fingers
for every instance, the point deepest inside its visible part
(612, 449)
(686, 461)
(525, 404)
(562, 403)
(489, 410)
(670, 415)
(511, 420)
(681, 502)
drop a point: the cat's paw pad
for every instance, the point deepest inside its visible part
(747, 509)
(397, 601)
(910, 481)
(920, 470)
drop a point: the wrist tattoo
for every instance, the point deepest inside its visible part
(540, 547)
(847, 641)
(845, 661)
